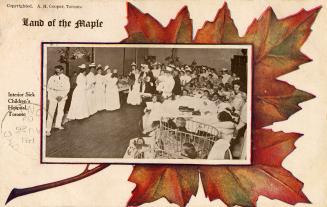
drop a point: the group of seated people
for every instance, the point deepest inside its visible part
(170, 82)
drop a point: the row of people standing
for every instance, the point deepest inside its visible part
(95, 91)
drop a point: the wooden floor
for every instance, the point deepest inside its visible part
(104, 135)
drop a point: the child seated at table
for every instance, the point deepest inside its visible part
(185, 92)
(205, 95)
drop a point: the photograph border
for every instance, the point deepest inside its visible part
(250, 87)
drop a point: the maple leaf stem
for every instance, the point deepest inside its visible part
(86, 168)
(17, 192)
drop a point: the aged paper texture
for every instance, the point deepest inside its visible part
(26, 25)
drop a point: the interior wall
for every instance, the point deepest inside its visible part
(52, 60)
(53, 57)
(211, 57)
(114, 57)
(121, 59)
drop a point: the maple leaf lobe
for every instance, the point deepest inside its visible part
(176, 183)
(178, 30)
(221, 30)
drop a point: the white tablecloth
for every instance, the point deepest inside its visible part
(170, 108)
(208, 109)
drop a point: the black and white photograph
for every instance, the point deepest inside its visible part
(146, 103)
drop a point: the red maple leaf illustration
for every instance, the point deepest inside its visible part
(276, 44)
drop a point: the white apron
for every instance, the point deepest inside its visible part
(90, 93)
(112, 95)
(78, 107)
(99, 92)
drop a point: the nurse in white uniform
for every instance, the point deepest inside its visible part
(167, 85)
(78, 107)
(90, 92)
(106, 80)
(113, 101)
(99, 90)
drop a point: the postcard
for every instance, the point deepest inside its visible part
(163, 103)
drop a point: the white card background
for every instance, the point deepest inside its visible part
(20, 71)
